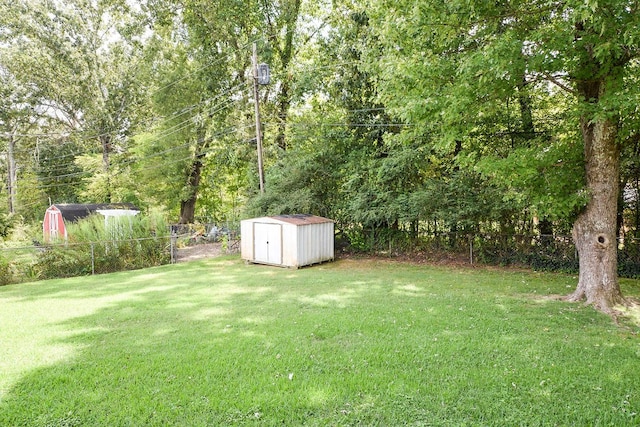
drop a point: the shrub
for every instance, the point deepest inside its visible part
(61, 261)
(7, 275)
(95, 247)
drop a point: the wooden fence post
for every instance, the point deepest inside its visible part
(174, 240)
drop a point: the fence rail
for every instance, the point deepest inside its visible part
(540, 252)
(43, 261)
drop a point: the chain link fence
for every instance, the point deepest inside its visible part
(60, 260)
(20, 264)
(540, 252)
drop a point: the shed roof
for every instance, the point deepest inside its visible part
(301, 219)
(75, 211)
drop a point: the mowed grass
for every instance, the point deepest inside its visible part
(354, 342)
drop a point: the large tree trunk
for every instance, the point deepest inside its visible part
(188, 205)
(594, 231)
(188, 202)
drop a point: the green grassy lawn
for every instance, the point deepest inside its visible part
(355, 342)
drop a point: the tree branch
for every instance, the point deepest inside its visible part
(558, 83)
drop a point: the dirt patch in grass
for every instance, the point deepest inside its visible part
(414, 257)
(200, 251)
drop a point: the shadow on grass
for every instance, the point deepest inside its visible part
(220, 343)
(182, 344)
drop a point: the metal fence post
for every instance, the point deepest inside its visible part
(174, 239)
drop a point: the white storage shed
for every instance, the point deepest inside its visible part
(287, 240)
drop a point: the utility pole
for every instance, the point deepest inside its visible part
(257, 111)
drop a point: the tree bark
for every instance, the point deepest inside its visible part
(284, 102)
(594, 231)
(188, 205)
(526, 113)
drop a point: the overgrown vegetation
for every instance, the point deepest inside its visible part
(396, 119)
(94, 246)
(355, 342)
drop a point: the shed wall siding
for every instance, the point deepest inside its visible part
(289, 258)
(315, 243)
(53, 226)
(301, 244)
(246, 240)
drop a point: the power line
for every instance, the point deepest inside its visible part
(166, 132)
(172, 115)
(188, 123)
(185, 110)
(165, 162)
(320, 124)
(158, 90)
(176, 128)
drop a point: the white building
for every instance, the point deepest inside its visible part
(287, 240)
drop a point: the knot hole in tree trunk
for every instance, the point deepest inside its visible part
(602, 241)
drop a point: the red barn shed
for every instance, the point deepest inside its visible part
(59, 215)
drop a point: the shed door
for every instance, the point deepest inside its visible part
(267, 241)
(54, 218)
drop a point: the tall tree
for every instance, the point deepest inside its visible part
(456, 63)
(218, 36)
(79, 60)
(15, 120)
(203, 53)
(281, 23)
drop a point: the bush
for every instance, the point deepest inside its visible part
(7, 222)
(7, 275)
(61, 261)
(93, 247)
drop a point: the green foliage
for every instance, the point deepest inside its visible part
(56, 262)
(388, 116)
(81, 65)
(548, 176)
(124, 243)
(7, 274)
(7, 223)
(59, 172)
(302, 182)
(477, 76)
(354, 342)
